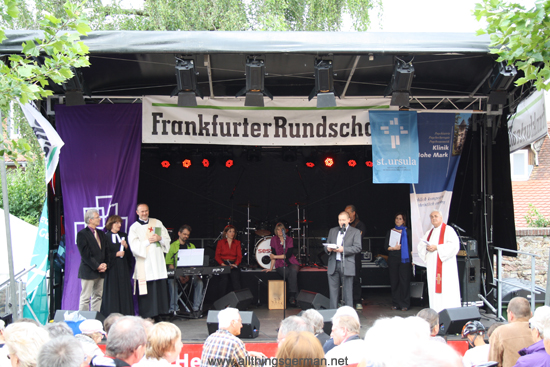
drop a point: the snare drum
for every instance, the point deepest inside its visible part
(262, 250)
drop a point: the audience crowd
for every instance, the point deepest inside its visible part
(390, 342)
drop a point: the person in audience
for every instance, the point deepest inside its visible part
(57, 329)
(509, 339)
(316, 320)
(125, 345)
(224, 344)
(109, 321)
(91, 333)
(24, 340)
(163, 345)
(292, 323)
(411, 346)
(535, 355)
(432, 318)
(3, 350)
(62, 351)
(300, 346)
(478, 353)
(2, 328)
(345, 334)
(342, 311)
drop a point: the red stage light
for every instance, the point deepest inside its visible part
(329, 162)
(186, 163)
(352, 163)
(165, 164)
(310, 164)
(369, 163)
(229, 163)
(205, 163)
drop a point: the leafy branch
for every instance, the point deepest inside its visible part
(520, 37)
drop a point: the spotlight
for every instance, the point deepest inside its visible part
(229, 163)
(205, 163)
(324, 84)
(165, 164)
(186, 163)
(329, 161)
(352, 163)
(368, 163)
(400, 84)
(310, 164)
(502, 76)
(254, 89)
(186, 78)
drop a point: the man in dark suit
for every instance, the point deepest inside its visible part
(92, 246)
(341, 260)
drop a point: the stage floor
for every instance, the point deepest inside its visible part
(376, 304)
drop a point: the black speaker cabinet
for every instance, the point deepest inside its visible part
(307, 299)
(469, 278)
(94, 315)
(251, 324)
(452, 320)
(327, 319)
(240, 299)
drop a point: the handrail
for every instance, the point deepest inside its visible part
(16, 277)
(501, 281)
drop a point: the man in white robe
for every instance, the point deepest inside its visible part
(149, 241)
(446, 248)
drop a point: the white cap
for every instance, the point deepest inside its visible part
(91, 326)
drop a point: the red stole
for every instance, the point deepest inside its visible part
(439, 267)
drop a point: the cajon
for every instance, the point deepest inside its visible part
(277, 294)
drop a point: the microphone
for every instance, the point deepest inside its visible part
(343, 229)
(457, 227)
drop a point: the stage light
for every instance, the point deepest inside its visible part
(186, 78)
(186, 163)
(329, 161)
(400, 84)
(324, 84)
(502, 76)
(368, 163)
(310, 164)
(352, 163)
(205, 163)
(229, 163)
(165, 164)
(254, 89)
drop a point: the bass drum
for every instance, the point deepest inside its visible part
(262, 250)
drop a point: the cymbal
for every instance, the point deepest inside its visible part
(297, 203)
(229, 219)
(248, 205)
(304, 221)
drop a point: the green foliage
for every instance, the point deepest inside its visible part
(520, 37)
(535, 219)
(26, 191)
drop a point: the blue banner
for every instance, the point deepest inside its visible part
(441, 137)
(37, 288)
(394, 146)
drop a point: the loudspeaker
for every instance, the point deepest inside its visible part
(417, 290)
(240, 299)
(452, 320)
(251, 324)
(60, 315)
(327, 319)
(469, 278)
(307, 299)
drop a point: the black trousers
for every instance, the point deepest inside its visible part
(357, 290)
(291, 275)
(400, 281)
(235, 276)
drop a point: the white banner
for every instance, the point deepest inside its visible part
(49, 140)
(529, 123)
(282, 122)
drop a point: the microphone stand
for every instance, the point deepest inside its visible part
(284, 272)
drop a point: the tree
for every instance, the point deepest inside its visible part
(218, 15)
(520, 37)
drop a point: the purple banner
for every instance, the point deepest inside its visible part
(99, 167)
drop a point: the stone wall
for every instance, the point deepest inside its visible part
(535, 241)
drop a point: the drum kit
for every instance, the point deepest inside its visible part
(260, 234)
